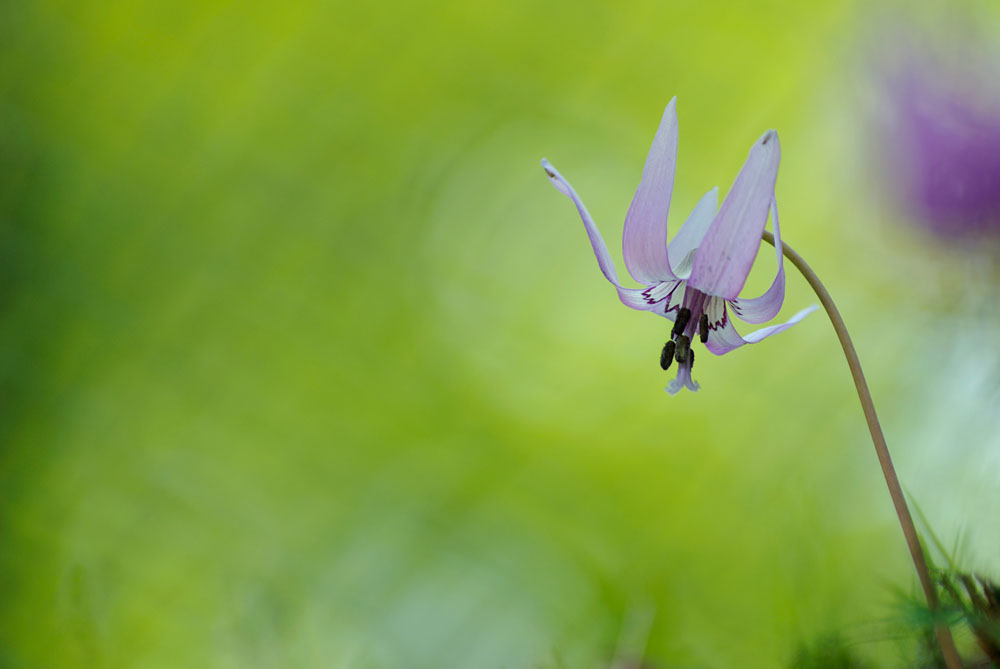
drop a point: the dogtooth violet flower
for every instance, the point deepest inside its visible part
(696, 279)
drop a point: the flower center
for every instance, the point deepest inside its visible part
(691, 317)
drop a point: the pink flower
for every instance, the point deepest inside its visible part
(693, 279)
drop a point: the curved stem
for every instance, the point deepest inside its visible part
(944, 638)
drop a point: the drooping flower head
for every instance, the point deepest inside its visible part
(696, 279)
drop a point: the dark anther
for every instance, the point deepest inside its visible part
(691, 359)
(703, 328)
(683, 316)
(667, 355)
(683, 348)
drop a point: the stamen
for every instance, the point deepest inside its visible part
(703, 328)
(683, 316)
(683, 348)
(691, 359)
(667, 355)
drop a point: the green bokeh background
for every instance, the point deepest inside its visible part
(305, 364)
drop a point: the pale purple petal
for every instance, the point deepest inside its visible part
(691, 233)
(764, 308)
(636, 298)
(644, 244)
(729, 248)
(596, 241)
(723, 337)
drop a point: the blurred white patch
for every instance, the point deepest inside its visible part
(951, 443)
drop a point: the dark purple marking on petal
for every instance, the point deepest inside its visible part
(717, 322)
(646, 294)
(721, 323)
(667, 299)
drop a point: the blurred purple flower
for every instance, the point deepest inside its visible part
(944, 149)
(691, 280)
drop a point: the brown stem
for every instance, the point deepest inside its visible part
(948, 650)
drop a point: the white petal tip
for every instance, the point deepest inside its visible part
(805, 312)
(770, 135)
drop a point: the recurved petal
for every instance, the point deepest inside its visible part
(663, 298)
(596, 241)
(638, 298)
(723, 337)
(728, 249)
(692, 232)
(644, 243)
(764, 308)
